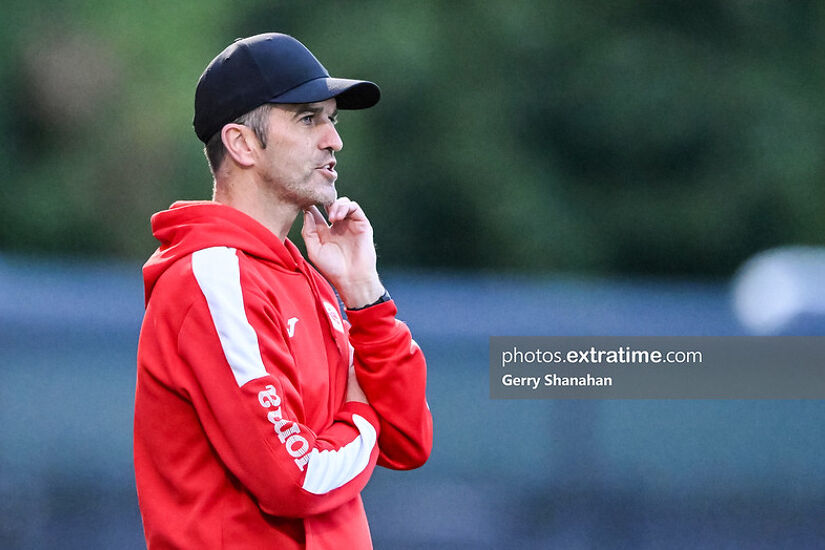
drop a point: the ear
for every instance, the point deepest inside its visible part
(240, 144)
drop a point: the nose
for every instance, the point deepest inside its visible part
(331, 140)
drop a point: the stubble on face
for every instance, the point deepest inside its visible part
(291, 160)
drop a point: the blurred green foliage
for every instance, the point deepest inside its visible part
(631, 137)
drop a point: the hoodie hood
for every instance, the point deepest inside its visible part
(189, 226)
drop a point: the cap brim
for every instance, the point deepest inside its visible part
(350, 94)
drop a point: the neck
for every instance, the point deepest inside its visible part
(255, 200)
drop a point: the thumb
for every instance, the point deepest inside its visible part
(317, 218)
(309, 222)
(314, 223)
(309, 231)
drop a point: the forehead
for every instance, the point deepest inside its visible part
(329, 105)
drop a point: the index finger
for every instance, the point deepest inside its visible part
(345, 208)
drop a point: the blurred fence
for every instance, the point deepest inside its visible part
(503, 474)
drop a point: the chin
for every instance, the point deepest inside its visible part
(323, 199)
(328, 198)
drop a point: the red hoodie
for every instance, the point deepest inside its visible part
(242, 435)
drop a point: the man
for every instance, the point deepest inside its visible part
(260, 414)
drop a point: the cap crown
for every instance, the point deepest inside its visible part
(248, 73)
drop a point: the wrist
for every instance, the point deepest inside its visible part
(357, 296)
(383, 298)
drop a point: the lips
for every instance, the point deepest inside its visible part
(328, 169)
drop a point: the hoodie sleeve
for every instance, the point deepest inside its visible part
(242, 385)
(392, 372)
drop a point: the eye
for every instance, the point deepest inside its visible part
(306, 120)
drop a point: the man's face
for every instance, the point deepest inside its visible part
(299, 160)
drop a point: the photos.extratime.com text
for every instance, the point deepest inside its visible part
(621, 355)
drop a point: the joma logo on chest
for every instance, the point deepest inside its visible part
(290, 326)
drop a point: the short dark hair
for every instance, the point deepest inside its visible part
(257, 120)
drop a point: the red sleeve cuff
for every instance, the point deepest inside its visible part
(361, 409)
(371, 324)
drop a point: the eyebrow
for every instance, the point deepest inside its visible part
(301, 108)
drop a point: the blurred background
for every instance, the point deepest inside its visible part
(534, 168)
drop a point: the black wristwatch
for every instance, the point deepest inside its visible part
(384, 298)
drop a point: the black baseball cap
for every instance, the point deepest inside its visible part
(269, 68)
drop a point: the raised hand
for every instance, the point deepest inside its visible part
(344, 252)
